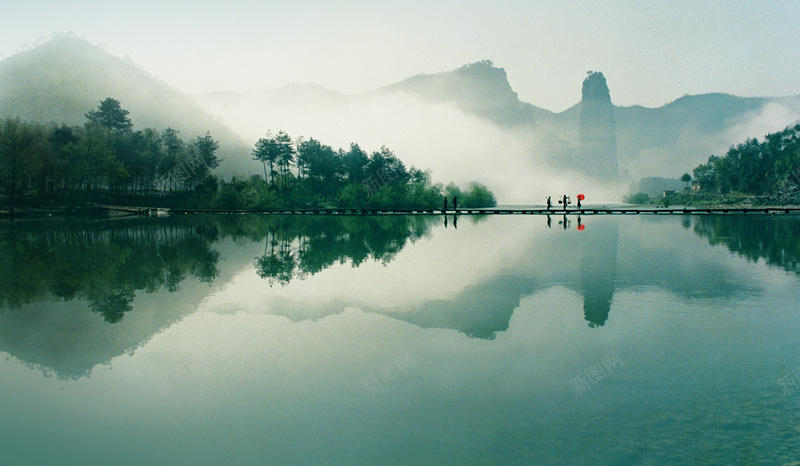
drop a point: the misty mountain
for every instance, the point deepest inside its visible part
(478, 88)
(664, 141)
(65, 78)
(649, 141)
(466, 124)
(301, 96)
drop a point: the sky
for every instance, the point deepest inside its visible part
(650, 52)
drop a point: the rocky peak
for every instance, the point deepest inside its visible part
(595, 87)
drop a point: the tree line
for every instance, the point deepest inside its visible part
(106, 157)
(103, 155)
(768, 168)
(306, 172)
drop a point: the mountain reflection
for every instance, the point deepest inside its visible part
(598, 272)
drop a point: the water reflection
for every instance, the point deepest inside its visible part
(102, 263)
(598, 271)
(776, 239)
(143, 275)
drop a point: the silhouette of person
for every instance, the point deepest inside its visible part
(455, 221)
(455, 202)
(565, 202)
(548, 221)
(445, 221)
(549, 204)
(565, 221)
(579, 203)
(444, 209)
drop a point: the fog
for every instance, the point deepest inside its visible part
(517, 164)
(522, 164)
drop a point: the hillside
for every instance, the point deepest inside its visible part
(478, 88)
(63, 79)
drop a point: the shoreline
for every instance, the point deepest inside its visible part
(113, 211)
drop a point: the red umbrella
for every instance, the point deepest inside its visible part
(581, 227)
(581, 197)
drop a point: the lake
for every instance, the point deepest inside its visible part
(401, 340)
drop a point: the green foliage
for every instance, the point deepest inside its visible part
(312, 174)
(476, 196)
(638, 198)
(104, 157)
(770, 169)
(479, 196)
(110, 116)
(106, 161)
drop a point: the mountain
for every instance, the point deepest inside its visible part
(478, 88)
(639, 141)
(598, 136)
(65, 78)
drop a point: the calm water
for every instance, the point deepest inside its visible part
(401, 340)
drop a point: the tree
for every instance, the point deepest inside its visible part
(479, 196)
(202, 156)
(111, 116)
(15, 138)
(355, 161)
(686, 178)
(266, 152)
(285, 156)
(173, 151)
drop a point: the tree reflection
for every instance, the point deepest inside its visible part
(299, 247)
(103, 263)
(107, 263)
(114, 305)
(775, 241)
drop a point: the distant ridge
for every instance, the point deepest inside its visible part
(479, 88)
(667, 140)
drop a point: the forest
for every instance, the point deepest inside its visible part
(751, 173)
(106, 161)
(768, 169)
